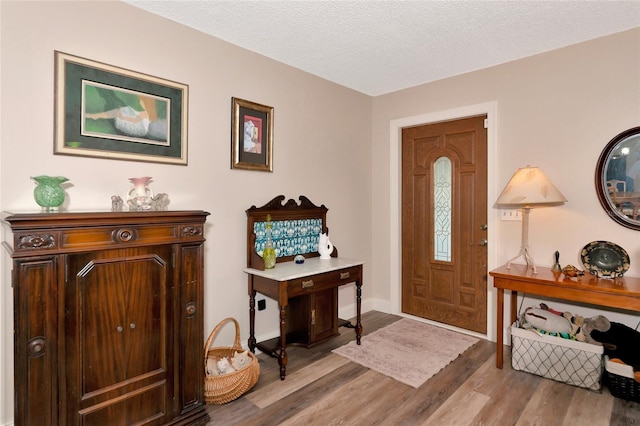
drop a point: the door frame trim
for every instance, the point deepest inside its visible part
(395, 201)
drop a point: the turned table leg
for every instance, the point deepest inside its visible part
(500, 328)
(282, 353)
(358, 327)
(252, 318)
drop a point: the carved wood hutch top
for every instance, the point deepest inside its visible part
(295, 230)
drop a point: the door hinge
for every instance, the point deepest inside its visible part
(486, 123)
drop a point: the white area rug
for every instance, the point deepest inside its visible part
(408, 351)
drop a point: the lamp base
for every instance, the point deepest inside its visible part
(524, 247)
(524, 252)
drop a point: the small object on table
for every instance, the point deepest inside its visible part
(571, 271)
(48, 193)
(325, 246)
(159, 202)
(605, 259)
(116, 203)
(269, 252)
(299, 259)
(556, 266)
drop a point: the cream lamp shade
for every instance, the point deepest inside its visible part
(528, 188)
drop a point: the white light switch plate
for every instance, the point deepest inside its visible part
(515, 214)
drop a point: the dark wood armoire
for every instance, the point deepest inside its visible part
(108, 317)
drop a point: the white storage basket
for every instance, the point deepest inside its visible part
(568, 361)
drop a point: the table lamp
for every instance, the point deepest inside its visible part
(527, 189)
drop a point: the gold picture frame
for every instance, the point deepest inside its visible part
(251, 136)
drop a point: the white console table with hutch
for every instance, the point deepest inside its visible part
(108, 317)
(307, 293)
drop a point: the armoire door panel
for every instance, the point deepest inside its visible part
(146, 321)
(189, 315)
(36, 339)
(117, 311)
(141, 408)
(100, 313)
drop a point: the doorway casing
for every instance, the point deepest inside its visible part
(395, 200)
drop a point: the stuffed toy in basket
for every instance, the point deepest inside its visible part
(229, 371)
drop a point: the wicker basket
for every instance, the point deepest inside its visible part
(621, 381)
(227, 387)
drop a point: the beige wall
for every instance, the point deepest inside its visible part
(555, 110)
(322, 143)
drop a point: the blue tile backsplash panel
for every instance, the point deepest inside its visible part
(290, 237)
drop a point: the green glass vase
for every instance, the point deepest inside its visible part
(269, 253)
(48, 193)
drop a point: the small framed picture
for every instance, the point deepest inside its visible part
(110, 112)
(251, 136)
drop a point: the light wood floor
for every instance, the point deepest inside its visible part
(322, 388)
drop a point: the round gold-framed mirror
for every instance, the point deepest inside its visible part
(618, 178)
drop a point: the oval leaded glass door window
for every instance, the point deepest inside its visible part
(442, 209)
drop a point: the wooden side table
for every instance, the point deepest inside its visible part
(621, 293)
(288, 281)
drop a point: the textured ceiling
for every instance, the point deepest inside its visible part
(377, 47)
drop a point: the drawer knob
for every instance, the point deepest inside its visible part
(124, 235)
(36, 347)
(344, 275)
(191, 309)
(307, 284)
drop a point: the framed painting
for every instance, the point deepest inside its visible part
(251, 136)
(110, 112)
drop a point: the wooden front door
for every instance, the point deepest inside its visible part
(444, 222)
